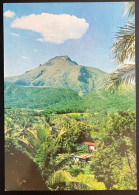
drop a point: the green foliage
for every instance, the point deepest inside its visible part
(74, 132)
(67, 101)
(90, 181)
(51, 99)
(82, 181)
(60, 176)
(115, 146)
(41, 155)
(51, 139)
(40, 140)
(75, 169)
(82, 148)
(103, 101)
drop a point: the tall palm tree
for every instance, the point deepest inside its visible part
(123, 51)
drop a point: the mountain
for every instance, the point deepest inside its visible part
(62, 72)
(53, 99)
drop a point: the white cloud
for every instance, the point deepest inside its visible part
(15, 34)
(24, 57)
(9, 14)
(53, 28)
(40, 39)
(36, 50)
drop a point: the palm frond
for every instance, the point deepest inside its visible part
(41, 133)
(113, 82)
(60, 176)
(61, 132)
(129, 8)
(124, 44)
(34, 133)
(24, 140)
(123, 50)
(124, 74)
(41, 155)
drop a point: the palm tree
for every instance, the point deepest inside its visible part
(123, 50)
(62, 180)
(124, 46)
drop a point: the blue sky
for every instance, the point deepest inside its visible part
(83, 31)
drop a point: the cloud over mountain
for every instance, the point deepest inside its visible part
(53, 28)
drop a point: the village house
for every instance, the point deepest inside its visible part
(83, 157)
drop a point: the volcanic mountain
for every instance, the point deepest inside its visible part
(62, 72)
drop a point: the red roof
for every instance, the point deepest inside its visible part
(89, 143)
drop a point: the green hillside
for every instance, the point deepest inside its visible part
(65, 100)
(103, 101)
(53, 99)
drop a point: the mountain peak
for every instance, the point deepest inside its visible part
(60, 58)
(62, 72)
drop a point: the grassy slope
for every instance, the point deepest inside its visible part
(102, 100)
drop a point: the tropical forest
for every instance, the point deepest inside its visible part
(71, 127)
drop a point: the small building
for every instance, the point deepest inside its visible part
(82, 157)
(91, 145)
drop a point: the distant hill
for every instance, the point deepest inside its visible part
(102, 101)
(62, 72)
(53, 99)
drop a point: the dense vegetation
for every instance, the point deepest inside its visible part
(50, 141)
(45, 127)
(103, 101)
(54, 100)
